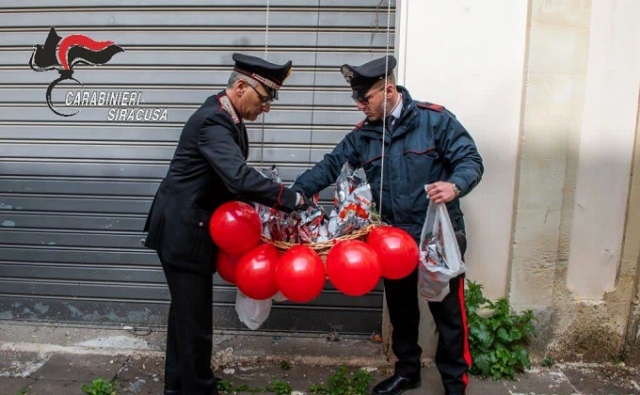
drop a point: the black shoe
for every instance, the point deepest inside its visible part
(395, 385)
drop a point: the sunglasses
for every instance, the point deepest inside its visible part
(359, 98)
(265, 99)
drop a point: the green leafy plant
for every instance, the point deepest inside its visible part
(224, 386)
(99, 387)
(284, 365)
(617, 359)
(548, 362)
(277, 387)
(22, 392)
(246, 388)
(498, 340)
(342, 383)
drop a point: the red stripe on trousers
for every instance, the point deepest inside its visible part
(467, 351)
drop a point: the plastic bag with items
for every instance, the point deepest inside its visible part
(440, 258)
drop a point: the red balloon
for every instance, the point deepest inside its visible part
(300, 274)
(353, 267)
(235, 227)
(256, 272)
(226, 266)
(397, 250)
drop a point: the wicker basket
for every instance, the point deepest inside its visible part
(322, 248)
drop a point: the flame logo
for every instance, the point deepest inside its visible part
(63, 54)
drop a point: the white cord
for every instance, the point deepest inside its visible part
(266, 50)
(313, 94)
(266, 34)
(384, 111)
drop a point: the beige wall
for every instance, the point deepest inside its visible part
(552, 120)
(606, 147)
(595, 282)
(549, 90)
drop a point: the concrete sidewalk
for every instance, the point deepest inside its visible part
(48, 359)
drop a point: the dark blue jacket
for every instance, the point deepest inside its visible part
(428, 144)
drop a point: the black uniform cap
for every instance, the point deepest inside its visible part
(361, 78)
(270, 75)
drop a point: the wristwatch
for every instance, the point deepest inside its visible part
(456, 189)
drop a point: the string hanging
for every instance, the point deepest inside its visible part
(266, 53)
(384, 108)
(266, 34)
(313, 86)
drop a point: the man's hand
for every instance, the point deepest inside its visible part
(302, 203)
(441, 192)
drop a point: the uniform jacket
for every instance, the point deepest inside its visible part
(428, 144)
(208, 169)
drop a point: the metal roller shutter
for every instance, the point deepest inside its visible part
(74, 191)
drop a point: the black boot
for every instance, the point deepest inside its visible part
(396, 384)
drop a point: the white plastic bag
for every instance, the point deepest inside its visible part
(253, 313)
(440, 258)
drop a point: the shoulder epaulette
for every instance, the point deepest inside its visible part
(430, 106)
(225, 104)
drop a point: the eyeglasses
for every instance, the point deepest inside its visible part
(265, 99)
(356, 96)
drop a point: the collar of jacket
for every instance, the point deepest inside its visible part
(409, 113)
(225, 104)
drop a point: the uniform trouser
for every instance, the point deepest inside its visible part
(189, 332)
(453, 358)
